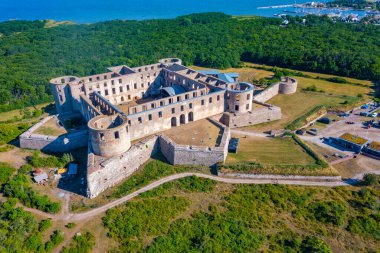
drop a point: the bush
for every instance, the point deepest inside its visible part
(49, 161)
(329, 212)
(55, 239)
(70, 225)
(314, 244)
(6, 172)
(370, 179)
(337, 80)
(81, 244)
(44, 225)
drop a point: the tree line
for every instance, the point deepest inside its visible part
(31, 54)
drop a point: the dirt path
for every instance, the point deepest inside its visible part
(75, 217)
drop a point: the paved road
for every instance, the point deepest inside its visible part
(66, 216)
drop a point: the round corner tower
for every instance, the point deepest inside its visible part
(288, 85)
(239, 97)
(109, 135)
(62, 94)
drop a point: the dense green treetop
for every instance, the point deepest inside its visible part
(31, 54)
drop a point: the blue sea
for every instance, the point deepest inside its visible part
(88, 11)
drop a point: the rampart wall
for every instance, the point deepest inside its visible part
(62, 143)
(286, 86)
(258, 115)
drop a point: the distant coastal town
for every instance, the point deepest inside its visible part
(351, 11)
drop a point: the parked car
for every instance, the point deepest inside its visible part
(365, 106)
(350, 122)
(365, 114)
(325, 120)
(373, 115)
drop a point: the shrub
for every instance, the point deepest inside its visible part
(329, 212)
(370, 179)
(70, 225)
(6, 172)
(44, 225)
(337, 80)
(81, 244)
(314, 244)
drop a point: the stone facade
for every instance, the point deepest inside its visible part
(260, 115)
(126, 104)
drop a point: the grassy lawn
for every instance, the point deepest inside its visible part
(294, 106)
(270, 151)
(333, 88)
(4, 116)
(51, 128)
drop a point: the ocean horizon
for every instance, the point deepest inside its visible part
(89, 11)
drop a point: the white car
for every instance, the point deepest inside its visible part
(373, 115)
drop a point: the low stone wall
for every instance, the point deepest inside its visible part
(62, 143)
(109, 172)
(268, 93)
(280, 177)
(196, 155)
(112, 171)
(256, 116)
(286, 86)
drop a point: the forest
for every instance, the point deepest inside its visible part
(31, 53)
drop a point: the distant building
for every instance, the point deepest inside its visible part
(352, 142)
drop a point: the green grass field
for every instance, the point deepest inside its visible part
(270, 151)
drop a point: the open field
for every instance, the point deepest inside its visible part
(294, 106)
(51, 127)
(197, 133)
(334, 88)
(4, 116)
(269, 151)
(314, 74)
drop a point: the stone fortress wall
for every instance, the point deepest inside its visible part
(123, 105)
(105, 173)
(63, 143)
(287, 85)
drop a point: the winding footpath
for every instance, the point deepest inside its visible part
(72, 217)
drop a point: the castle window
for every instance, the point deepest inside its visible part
(90, 88)
(90, 79)
(139, 70)
(182, 108)
(135, 85)
(248, 96)
(120, 81)
(173, 110)
(127, 87)
(129, 122)
(97, 86)
(160, 114)
(153, 105)
(105, 84)
(98, 78)
(61, 98)
(121, 88)
(194, 94)
(140, 120)
(236, 108)
(148, 83)
(170, 101)
(126, 128)
(162, 103)
(202, 102)
(129, 97)
(146, 68)
(113, 82)
(117, 136)
(178, 98)
(113, 91)
(106, 92)
(217, 98)
(187, 96)
(210, 100)
(247, 106)
(101, 136)
(152, 67)
(142, 85)
(105, 77)
(191, 105)
(150, 117)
